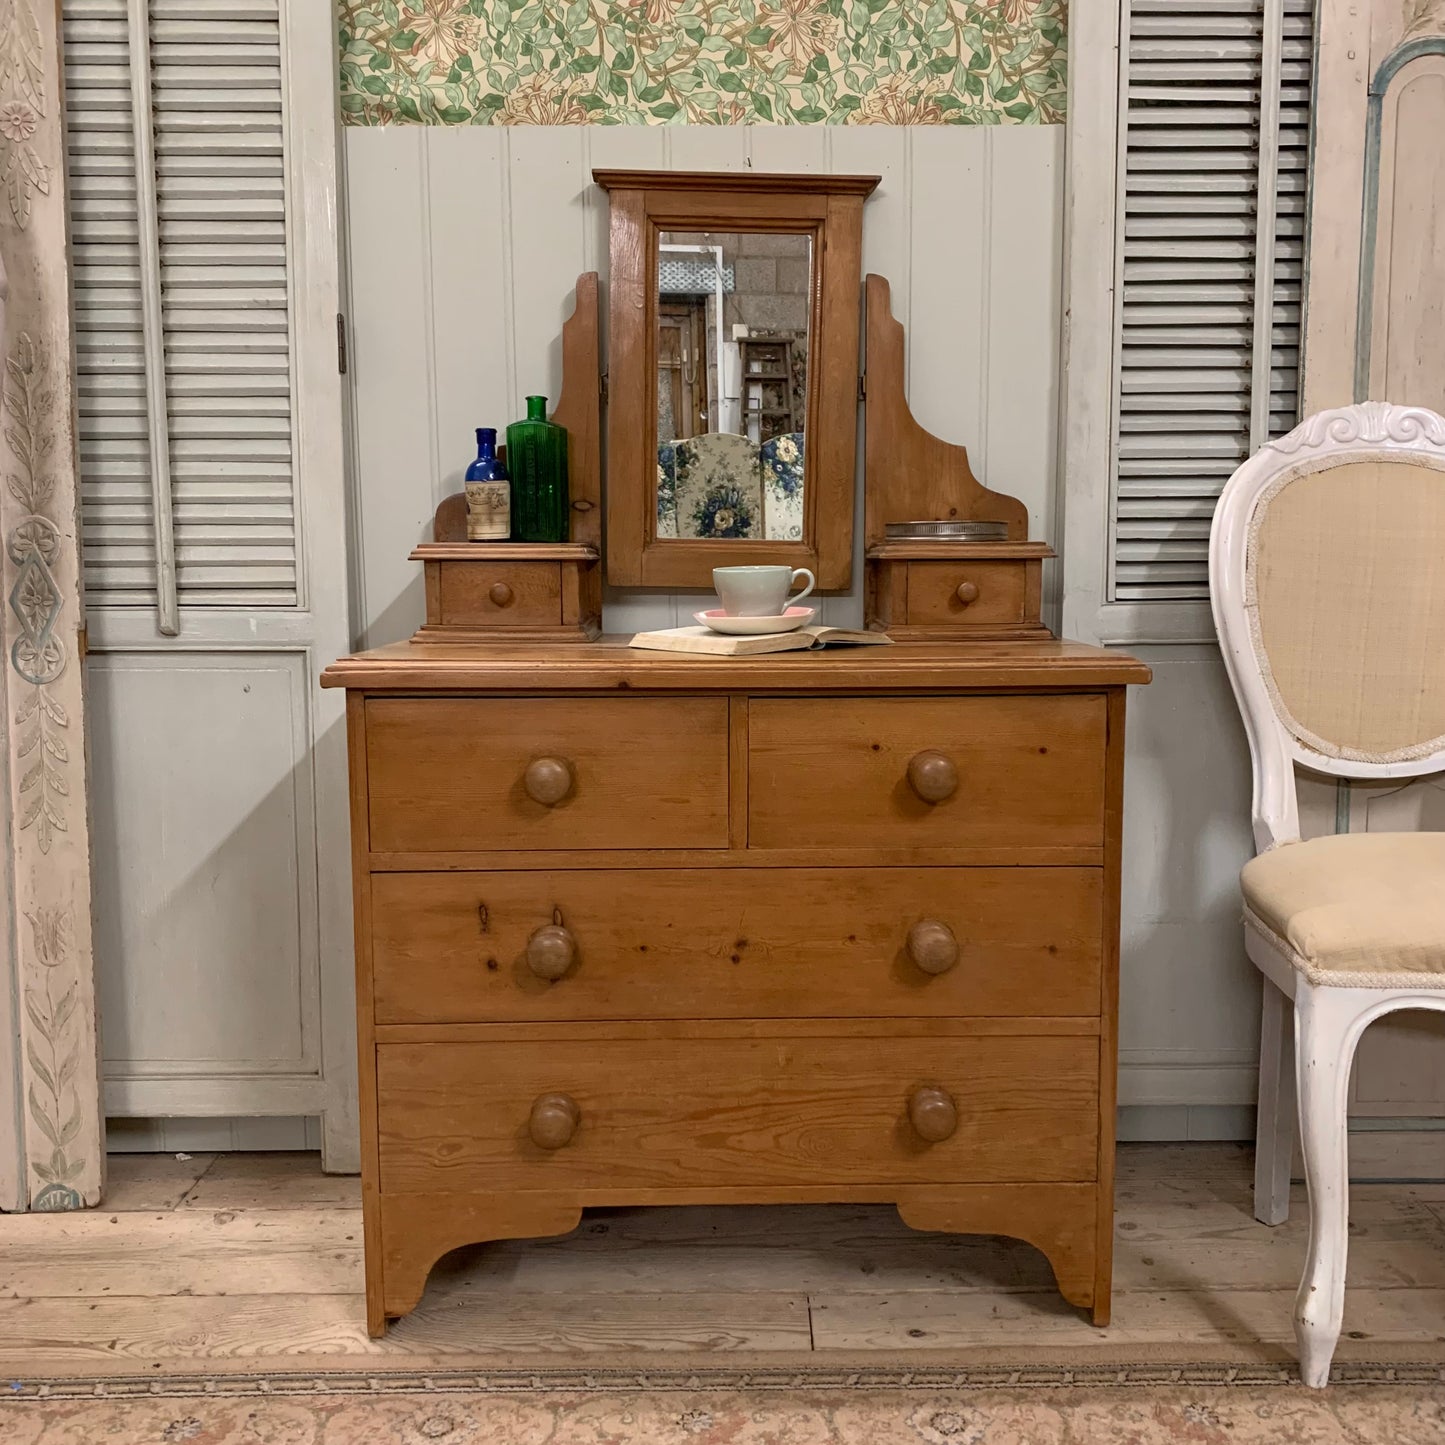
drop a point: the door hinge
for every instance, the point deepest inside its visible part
(602, 386)
(341, 358)
(863, 386)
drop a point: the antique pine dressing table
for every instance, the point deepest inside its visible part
(651, 928)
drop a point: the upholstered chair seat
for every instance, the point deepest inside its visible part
(1361, 910)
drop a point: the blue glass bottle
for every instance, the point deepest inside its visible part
(489, 492)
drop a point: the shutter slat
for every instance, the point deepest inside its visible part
(215, 81)
(1192, 82)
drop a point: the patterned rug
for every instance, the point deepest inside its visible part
(1129, 1405)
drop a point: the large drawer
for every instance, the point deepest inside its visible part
(722, 1111)
(1014, 772)
(463, 773)
(735, 943)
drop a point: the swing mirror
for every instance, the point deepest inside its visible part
(732, 373)
(731, 349)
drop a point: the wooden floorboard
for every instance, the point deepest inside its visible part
(152, 1181)
(1184, 1318)
(182, 1252)
(272, 1181)
(238, 1261)
(290, 1331)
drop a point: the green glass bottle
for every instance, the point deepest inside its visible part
(537, 461)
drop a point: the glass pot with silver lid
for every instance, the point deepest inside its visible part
(954, 531)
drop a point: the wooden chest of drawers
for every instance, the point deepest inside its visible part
(644, 928)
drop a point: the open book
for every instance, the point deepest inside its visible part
(704, 639)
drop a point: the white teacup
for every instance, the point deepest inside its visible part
(759, 591)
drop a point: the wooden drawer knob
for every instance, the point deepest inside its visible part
(500, 594)
(551, 951)
(548, 780)
(932, 946)
(932, 776)
(967, 592)
(553, 1120)
(932, 1114)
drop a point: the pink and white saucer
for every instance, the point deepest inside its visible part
(789, 621)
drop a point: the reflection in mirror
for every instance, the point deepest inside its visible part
(732, 383)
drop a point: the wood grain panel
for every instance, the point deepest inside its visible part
(1030, 771)
(733, 1111)
(447, 772)
(680, 943)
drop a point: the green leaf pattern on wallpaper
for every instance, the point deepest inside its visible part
(702, 62)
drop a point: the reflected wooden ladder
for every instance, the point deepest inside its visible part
(767, 363)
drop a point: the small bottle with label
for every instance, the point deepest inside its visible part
(489, 492)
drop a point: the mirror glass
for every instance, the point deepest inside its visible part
(733, 311)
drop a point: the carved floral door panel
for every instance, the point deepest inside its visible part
(51, 1137)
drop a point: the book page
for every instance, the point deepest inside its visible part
(826, 636)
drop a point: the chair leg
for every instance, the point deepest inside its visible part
(1324, 1045)
(1274, 1127)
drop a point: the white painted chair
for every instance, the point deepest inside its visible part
(1327, 578)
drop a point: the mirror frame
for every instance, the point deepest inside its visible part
(643, 205)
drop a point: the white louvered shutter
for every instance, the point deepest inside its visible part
(206, 468)
(1196, 111)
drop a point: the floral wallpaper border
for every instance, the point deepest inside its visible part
(703, 62)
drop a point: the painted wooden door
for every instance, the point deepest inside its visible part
(1375, 329)
(203, 202)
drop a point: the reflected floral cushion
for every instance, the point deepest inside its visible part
(709, 486)
(667, 490)
(782, 461)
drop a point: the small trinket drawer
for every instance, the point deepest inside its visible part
(645, 928)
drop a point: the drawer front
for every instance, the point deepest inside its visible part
(735, 943)
(1024, 772)
(721, 1111)
(498, 595)
(994, 593)
(454, 773)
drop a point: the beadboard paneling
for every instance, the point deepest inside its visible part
(465, 243)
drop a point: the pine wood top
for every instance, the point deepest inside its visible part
(503, 552)
(611, 664)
